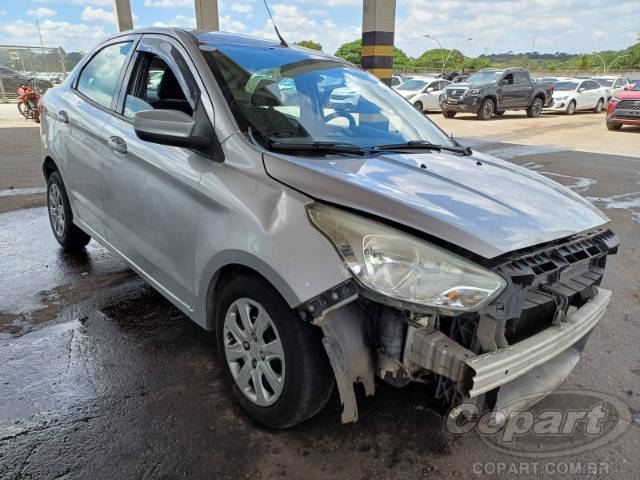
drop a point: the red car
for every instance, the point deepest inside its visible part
(624, 108)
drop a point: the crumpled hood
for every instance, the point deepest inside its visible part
(479, 203)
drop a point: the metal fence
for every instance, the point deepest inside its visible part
(40, 67)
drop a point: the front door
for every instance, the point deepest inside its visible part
(150, 190)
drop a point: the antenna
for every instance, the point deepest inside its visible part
(282, 40)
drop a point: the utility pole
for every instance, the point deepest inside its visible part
(378, 28)
(207, 14)
(39, 33)
(124, 19)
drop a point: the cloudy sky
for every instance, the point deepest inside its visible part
(494, 25)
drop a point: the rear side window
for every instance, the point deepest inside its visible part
(99, 78)
(521, 77)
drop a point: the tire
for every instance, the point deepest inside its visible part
(613, 126)
(419, 106)
(448, 113)
(36, 116)
(599, 106)
(68, 235)
(487, 108)
(535, 109)
(571, 108)
(306, 375)
(500, 113)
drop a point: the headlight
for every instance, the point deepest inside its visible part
(474, 91)
(560, 97)
(404, 267)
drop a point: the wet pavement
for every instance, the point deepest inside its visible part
(100, 377)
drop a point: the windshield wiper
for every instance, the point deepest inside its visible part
(424, 145)
(326, 147)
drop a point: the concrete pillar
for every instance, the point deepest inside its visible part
(378, 26)
(124, 19)
(207, 14)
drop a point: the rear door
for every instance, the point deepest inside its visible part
(88, 107)
(150, 190)
(523, 90)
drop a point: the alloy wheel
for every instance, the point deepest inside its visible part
(56, 210)
(254, 352)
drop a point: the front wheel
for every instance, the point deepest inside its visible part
(487, 107)
(613, 126)
(68, 235)
(275, 362)
(419, 106)
(535, 109)
(571, 108)
(448, 113)
(599, 106)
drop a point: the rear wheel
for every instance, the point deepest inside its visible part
(275, 362)
(599, 106)
(571, 108)
(449, 113)
(613, 126)
(68, 235)
(535, 109)
(487, 107)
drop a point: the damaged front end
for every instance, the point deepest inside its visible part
(520, 345)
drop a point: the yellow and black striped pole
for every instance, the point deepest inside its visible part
(378, 26)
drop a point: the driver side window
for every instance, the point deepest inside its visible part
(507, 79)
(154, 85)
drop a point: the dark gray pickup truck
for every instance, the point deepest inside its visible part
(493, 91)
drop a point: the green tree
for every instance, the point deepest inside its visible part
(434, 59)
(309, 44)
(352, 52)
(476, 63)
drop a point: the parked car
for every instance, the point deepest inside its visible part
(11, 80)
(491, 92)
(624, 108)
(342, 97)
(612, 83)
(423, 93)
(572, 95)
(461, 78)
(320, 253)
(396, 80)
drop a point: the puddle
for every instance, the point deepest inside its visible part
(581, 184)
(625, 201)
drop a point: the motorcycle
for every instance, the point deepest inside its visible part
(28, 103)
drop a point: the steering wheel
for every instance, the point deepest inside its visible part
(343, 114)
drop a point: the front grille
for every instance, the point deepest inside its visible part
(628, 105)
(546, 284)
(455, 92)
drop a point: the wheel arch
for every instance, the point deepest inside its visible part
(49, 166)
(235, 262)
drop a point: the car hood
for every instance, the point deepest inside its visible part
(629, 95)
(407, 93)
(480, 203)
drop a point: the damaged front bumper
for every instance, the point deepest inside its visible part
(516, 351)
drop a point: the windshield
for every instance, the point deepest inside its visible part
(636, 87)
(565, 86)
(484, 77)
(284, 95)
(605, 82)
(413, 85)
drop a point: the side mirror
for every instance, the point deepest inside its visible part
(628, 87)
(430, 89)
(582, 89)
(168, 127)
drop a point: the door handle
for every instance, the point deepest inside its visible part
(117, 144)
(63, 116)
